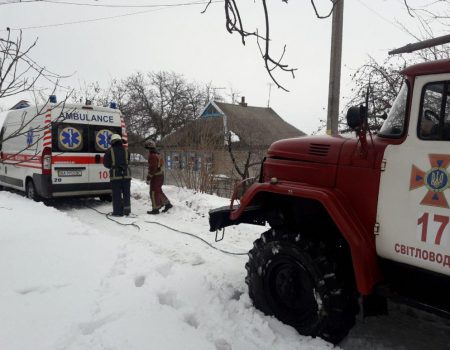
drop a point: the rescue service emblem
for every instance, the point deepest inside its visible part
(103, 139)
(70, 138)
(436, 180)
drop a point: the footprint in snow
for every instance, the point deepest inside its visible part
(222, 344)
(236, 295)
(197, 260)
(164, 269)
(170, 299)
(90, 327)
(39, 289)
(191, 320)
(139, 281)
(120, 265)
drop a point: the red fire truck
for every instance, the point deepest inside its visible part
(349, 217)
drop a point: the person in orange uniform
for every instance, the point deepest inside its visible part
(156, 179)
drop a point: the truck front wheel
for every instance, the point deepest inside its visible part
(297, 280)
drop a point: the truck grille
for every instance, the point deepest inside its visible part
(317, 149)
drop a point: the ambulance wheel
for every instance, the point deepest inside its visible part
(31, 191)
(297, 280)
(106, 198)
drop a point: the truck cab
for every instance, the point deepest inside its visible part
(354, 217)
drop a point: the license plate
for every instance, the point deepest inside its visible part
(70, 173)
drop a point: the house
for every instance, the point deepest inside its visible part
(205, 143)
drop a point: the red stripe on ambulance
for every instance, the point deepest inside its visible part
(75, 159)
(29, 158)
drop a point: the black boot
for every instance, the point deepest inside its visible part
(167, 207)
(154, 211)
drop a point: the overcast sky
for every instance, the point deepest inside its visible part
(183, 40)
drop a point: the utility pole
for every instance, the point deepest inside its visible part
(335, 68)
(270, 89)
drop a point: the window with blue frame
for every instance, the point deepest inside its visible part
(208, 161)
(191, 161)
(211, 111)
(168, 161)
(175, 160)
(198, 163)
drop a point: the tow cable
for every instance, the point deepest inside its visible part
(168, 227)
(108, 216)
(195, 236)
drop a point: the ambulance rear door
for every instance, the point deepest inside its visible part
(70, 158)
(100, 132)
(80, 138)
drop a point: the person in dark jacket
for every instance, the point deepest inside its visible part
(116, 160)
(156, 179)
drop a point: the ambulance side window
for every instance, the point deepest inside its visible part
(70, 138)
(434, 119)
(100, 137)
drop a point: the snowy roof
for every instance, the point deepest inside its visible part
(256, 126)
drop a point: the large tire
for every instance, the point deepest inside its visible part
(298, 280)
(30, 191)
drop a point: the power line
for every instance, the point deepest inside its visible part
(84, 21)
(109, 5)
(381, 16)
(17, 2)
(128, 6)
(161, 7)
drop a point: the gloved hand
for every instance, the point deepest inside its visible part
(149, 177)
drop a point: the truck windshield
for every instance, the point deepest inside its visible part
(394, 125)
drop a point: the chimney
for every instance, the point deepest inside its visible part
(243, 103)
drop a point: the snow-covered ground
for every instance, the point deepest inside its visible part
(72, 279)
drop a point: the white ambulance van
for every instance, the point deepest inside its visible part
(56, 150)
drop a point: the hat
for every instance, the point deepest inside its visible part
(150, 144)
(115, 138)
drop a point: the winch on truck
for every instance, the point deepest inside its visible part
(354, 217)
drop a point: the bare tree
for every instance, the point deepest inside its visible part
(20, 73)
(92, 92)
(382, 82)
(245, 160)
(153, 104)
(234, 24)
(192, 167)
(115, 91)
(159, 103)
(429, 12)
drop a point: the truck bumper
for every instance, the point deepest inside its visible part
(220, 217)
(47, 190)
(81, 190)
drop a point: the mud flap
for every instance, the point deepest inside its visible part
(219, 218)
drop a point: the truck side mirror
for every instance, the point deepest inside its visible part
(354, 117)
